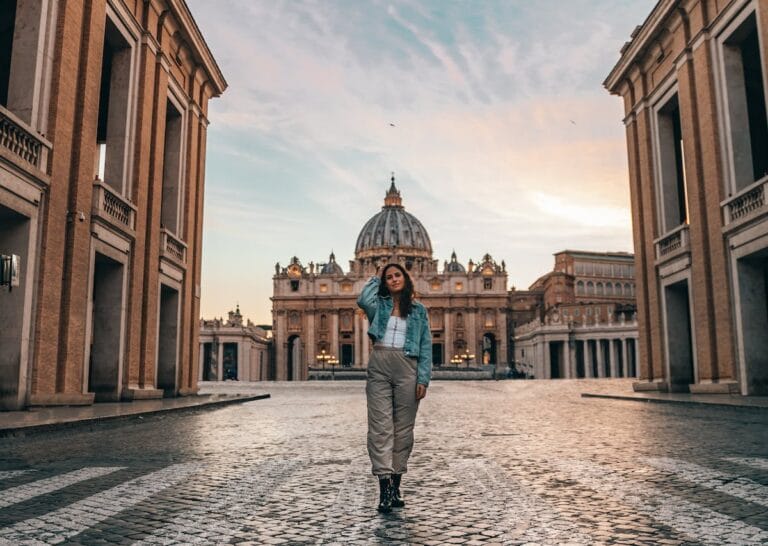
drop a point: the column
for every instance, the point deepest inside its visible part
(220, 361)
(547, 368)
(243, 373)
(614, 358)
(637, 355)
(309, 358)
(366, 342)
(447, 336)
(470, 334)
(335, 335)
(587, 359)
(625, 355)
(358, 340)
(600, 358)
(501, 350)
(201, 360)
(567, 360)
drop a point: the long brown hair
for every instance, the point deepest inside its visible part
(405, 300)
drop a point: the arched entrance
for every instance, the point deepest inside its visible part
(489, 349)
(294, 357)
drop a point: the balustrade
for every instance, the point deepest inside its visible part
(113, 208)
(672, 243)
(746, 203)
(172, 247)
(21, 141)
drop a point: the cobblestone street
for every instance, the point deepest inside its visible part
(495, 463)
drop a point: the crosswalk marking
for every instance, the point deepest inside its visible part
(59, 525)
(225, 509)
(735, 486)
(520, 513)
(8, 474)
(25, 492)
(701, 524)
(754, 462)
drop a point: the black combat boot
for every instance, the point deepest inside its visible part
(385, 495)
(397, 500)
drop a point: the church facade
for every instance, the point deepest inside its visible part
(316, 320)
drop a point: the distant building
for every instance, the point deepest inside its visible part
(231, 350)
(693, 80)
(314, 310)
(577, 320)
(103, 124)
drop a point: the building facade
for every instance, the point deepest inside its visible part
(693, 80)
(578, 320)
(315, 312)
(103, 122)
(232, 350)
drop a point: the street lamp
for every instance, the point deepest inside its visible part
(333, 361)
(323, 357)
(462, 357)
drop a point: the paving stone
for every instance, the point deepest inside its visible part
(494, 463)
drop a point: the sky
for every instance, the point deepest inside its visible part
(491, 114)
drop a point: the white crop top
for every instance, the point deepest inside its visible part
(394, 337)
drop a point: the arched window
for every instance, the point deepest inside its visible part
(580, 287)
(323, 322)
(459, 320)
(609, 289)
(294, 320)
(619, 291)
(590, 288)
(600, 290)
(627, 289)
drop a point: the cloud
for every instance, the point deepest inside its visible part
(503, 139)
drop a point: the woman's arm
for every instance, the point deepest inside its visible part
(424, 367)
(368, 300)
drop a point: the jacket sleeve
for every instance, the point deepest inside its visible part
(368, 300)
(424, 367)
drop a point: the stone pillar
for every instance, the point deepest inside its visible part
(587, 360)
(447, 337)
(335, 335)
(358, 325)
(366, 342)
(614, 359)
(636, 354)
(201, 360)
(501, 349)
(470, 330)
(220, 361)
(624, 354)
(567, 360)
(600, 358)
(311, 351)
(547, 361)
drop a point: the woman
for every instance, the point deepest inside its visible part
(399, 370)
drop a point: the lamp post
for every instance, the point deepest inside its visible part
(333, 361)
(323, 357)
(462, 357)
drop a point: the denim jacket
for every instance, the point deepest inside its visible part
(418, 338)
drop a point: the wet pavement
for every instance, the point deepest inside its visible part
(508, 462)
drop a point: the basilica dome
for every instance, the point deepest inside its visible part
(392, 231)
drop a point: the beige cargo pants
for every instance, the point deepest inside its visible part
(391, 394)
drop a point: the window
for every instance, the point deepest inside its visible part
(627, 289)
(7, 24)
(294, 286)
(346, 287)
(323, 288)
(487, 284)
(459, 286)
(745, 102)
(489, 319)
(600, 291)
(609, 289)
(294, 320)
(590, 288)
(672, 182)
(323, 322)
(172, 181)
(114, 95)
(580, 287)
(576, 312)
(435, 285)
(459, 320)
